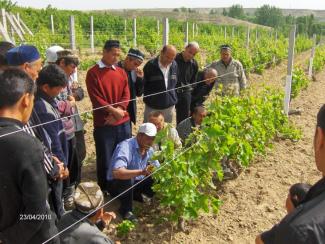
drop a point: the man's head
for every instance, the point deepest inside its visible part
(51, 54)
(198, 114)
(319, 140)
(4, 48)
(225, 53)
(167, 55)
(67, 61)
(88, 197)
(27, 58)
(52, 79)
(16, 94)
(297, 193)
(209, 75)
(190, 51)
(111, 52)
(133, 59)
(157, 118)
(146, 135)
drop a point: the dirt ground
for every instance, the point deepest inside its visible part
(255, 200)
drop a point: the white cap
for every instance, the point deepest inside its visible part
(148, 128)
(51, 55)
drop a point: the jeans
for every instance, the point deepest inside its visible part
(106, 140)
(119, 186)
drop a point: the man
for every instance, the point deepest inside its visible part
(25, 215)
(51, 81)
(206, 81)
(28, 59)
(164, 129)
(231, 73)
(160, 75)
(185, 128)
(4, 48)
(306, 223)
(87, 198)
(131, 65)
(187, 71)
(73, 125)
(109, 93)
(130, 164)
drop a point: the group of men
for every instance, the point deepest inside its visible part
(42, 137)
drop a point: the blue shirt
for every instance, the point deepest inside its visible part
(127, 155)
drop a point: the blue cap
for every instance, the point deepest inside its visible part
(22, 54)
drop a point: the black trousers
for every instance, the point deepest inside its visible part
(116, 187)
(183, 106)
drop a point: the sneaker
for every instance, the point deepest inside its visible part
(130, 216)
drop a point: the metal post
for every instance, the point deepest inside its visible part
(289, 70)
(72, 34)
(52, 24)
(165, 32)
(186, 34)
(311, 60)
(135, 32)
(92, 44)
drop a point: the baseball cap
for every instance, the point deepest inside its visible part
(148, 128)
(51, 53)
(88, 197)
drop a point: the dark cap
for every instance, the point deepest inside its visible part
(321, 117)
(225, 47)
(135, 53)
(112, 44)
(22, 54)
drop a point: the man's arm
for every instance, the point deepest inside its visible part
(242, 77)
(126, 174)
(259, 240)
(32, 182)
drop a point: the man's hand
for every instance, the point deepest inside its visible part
(107, 217)
(72, 101)
(110, 120)
(139, 73)
(65, 174)
(119, 113)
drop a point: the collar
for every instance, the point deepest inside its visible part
(102, 65)
(4, 122)
(228, 63)
(161, 66)
(79, 215)
(46, 97)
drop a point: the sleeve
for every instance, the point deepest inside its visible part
(53, 132)
(121, 156)
(95, 94)
(242, 77)
(268, 237)
(195, 72)
(32, 183)
(175, 137)
(139, 87)
(125, 98)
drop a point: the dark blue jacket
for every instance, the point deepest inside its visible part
(46, 109)
(154, 82)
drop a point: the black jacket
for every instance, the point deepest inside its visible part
(136, 90)
(154, 82)
(187, 72)
(24, 214)
(200, 91)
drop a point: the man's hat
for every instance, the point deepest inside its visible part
(225, 47)
(148, 128)
(88, 197)
(112, 44)
(51, 53)
(135, 53)
(22, 54)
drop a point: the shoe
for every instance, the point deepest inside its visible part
(130, 216)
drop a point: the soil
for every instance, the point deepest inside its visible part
(255, 200)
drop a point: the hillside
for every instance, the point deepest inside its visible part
(199, 16)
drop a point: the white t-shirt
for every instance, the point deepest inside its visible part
(165, 71)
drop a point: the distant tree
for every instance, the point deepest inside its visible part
(224, 12)
(175, 10)
(269, 16)
(7, 4)
(236, 11)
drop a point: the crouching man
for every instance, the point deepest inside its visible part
(130, 164)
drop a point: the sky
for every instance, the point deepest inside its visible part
(122, 4)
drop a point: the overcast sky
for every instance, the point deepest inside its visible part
(122, 4)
